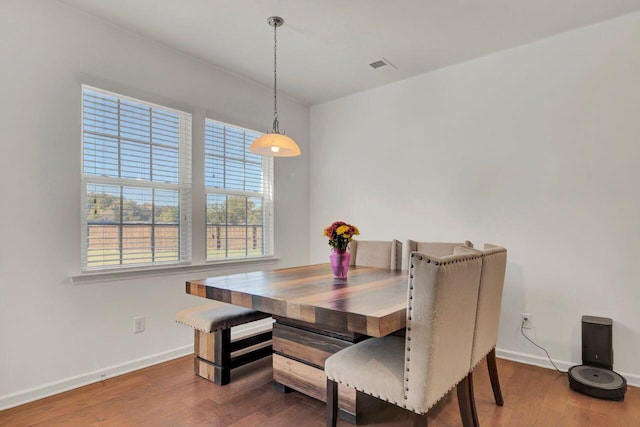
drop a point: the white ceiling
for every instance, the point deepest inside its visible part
(325, 46)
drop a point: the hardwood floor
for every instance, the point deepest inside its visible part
(170, 394)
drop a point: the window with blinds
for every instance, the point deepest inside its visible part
(136, 182)
(239, 191)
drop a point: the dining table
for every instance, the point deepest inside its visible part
(316, 315)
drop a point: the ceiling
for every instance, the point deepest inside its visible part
(325, 46)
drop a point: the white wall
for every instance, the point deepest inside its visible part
(536, 148)
(54, 334)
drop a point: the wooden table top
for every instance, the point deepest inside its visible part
(372, 301)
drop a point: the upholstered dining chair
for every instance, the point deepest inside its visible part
(485, 338)
(416, 371)
(438, 249)
(381, 254)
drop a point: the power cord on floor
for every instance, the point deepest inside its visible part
(541, 348)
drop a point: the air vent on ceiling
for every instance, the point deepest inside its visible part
(382, 63)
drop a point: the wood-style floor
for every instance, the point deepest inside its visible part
(170, 394)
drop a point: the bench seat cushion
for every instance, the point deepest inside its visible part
(217, 316)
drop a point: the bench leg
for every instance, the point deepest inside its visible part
(213, 352)
(213, 355)
(222, 357)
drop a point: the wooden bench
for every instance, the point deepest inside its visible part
(215, 353)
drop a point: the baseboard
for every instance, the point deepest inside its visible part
(45, 390)
(543, 362)
(29, 395)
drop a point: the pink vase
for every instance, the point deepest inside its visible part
(340, 260)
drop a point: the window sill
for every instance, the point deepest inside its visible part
(142, 272)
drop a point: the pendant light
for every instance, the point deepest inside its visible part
(275, 143)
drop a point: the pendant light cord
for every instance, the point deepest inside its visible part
(276, 127)
(274, 143)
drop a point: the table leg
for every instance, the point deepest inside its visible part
(300, 350)
(281, 387)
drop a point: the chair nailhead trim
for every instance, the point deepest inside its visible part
(408, 337)
(410, 308)
(420, 411)
(386, 399)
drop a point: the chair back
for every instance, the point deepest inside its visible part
(438, 249)
(380, 254)
(494, 264)
(441, 315)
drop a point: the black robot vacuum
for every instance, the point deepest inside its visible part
(595, 377)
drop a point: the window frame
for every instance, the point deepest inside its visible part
(183, 187)
(267, 170)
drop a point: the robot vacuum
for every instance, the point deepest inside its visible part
(597, 382)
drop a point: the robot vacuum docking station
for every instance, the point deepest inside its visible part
(595, 377)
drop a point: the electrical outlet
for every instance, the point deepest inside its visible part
(526, 319)
(138, 325)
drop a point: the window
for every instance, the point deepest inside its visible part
(239, 191)
(136, 182)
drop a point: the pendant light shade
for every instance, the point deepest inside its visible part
(275, 143)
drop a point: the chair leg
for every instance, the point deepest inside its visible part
(493, 375)
(332, 403)
(419, 420)
(464, 403)
(472, 401)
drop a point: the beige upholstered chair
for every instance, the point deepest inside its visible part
(494, 262)
(379, 254)
(438, 249)
(416, 371)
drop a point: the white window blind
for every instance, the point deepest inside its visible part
(239, 191)
(136, 181)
